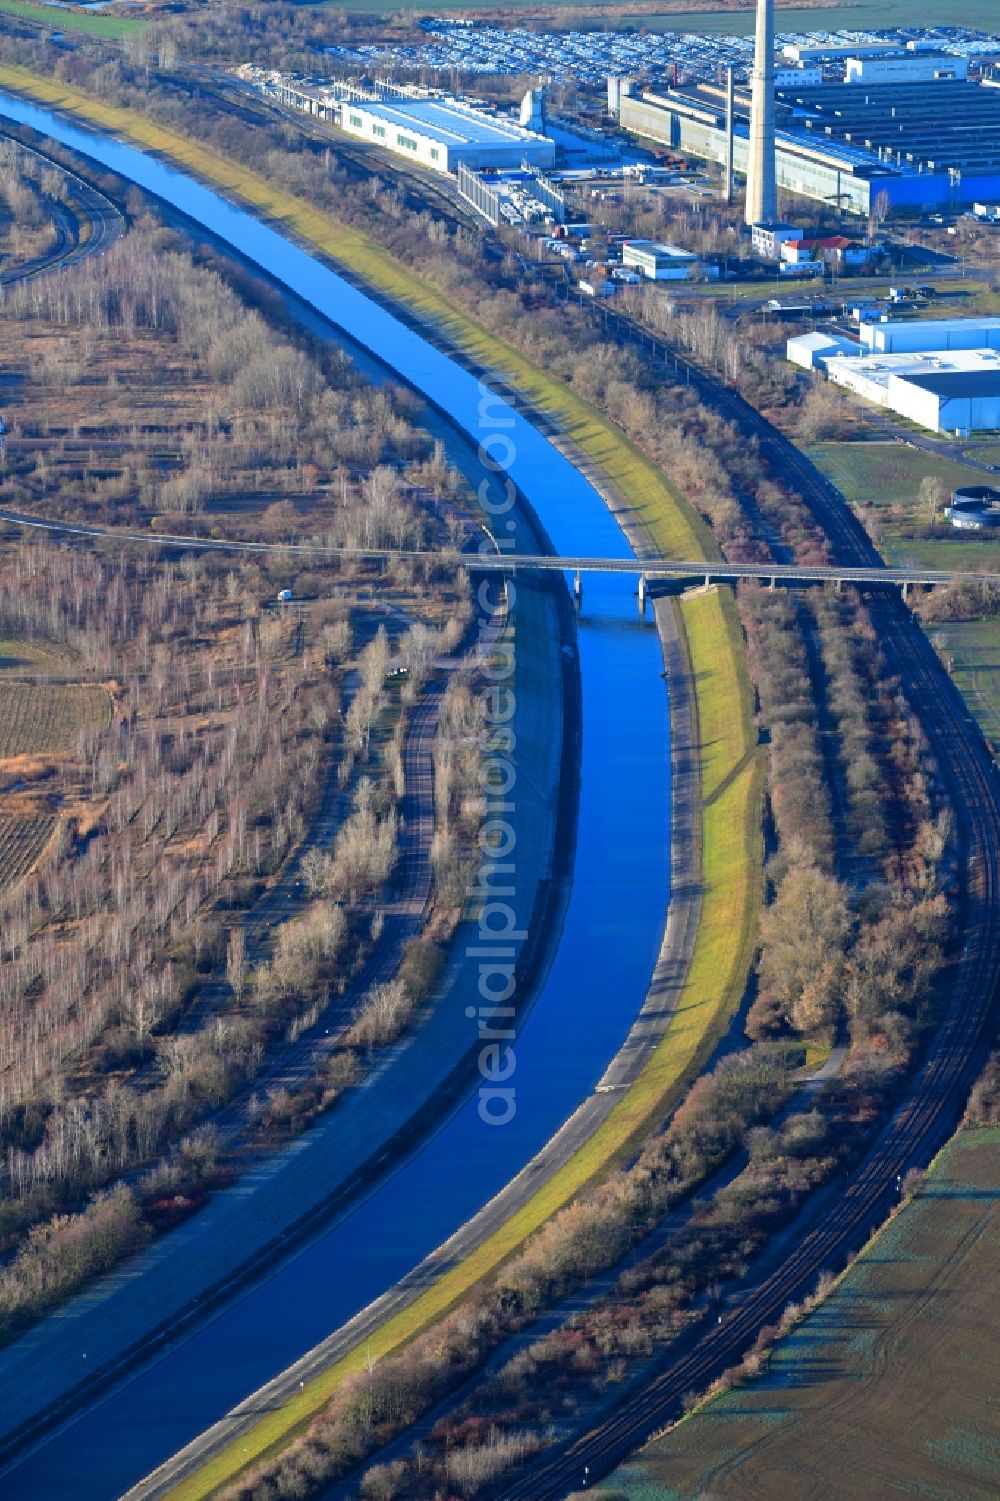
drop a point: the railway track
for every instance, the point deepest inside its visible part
(929, 1113)
(923, 1122)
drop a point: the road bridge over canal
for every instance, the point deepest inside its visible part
(495, 559)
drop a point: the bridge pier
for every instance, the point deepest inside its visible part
(642, 595)
(773, 583)
(577, 586)
(906, 590)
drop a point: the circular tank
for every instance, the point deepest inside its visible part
(975, 508)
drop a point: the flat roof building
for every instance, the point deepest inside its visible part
(443, 134)
(659, 262)
(915, 145)
(931, 335)
(957, 392)
(767, 239)
(810, 350)
(906, 66)
(796, 76)
(827, 52)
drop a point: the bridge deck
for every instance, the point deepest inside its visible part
(649, 568)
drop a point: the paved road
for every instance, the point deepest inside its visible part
(952, 449)
(651, 569)
(91, 207)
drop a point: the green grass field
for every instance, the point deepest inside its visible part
(963, 553)
(26, 656)
(56, 18)
(732, 773)
(858, 16)
(985, 453)
(733, 776)
(884, 479)
(887, 1389)
(973, 648)
(886, 473)
(982, 303)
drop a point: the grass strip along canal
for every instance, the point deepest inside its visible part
(600, 973)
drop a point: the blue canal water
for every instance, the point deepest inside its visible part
(592, 991)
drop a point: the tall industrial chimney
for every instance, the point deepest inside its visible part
(730, 90)
(762, 191)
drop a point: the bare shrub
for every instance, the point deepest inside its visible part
(381, 1016)
(479, 1464)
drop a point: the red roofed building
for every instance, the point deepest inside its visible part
(837, 251)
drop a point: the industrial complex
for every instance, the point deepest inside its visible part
(904, 129)
(869, 127)
(444, 134)
(424, 125)
(943, 374)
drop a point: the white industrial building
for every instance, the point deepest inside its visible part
(797, 76)
(768, 238)
(908, 65)
(955, 391)
(811, 350)
(930, 335)
(831, 51)
(659, 262)
(534, 110)
(804, 52)
(443, 134)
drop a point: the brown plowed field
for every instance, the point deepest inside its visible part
(44, 718)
